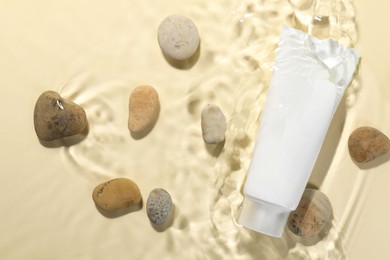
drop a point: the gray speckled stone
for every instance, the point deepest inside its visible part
(55, 117)
(159, 206)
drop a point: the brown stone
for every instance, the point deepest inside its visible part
(117, 194)
(144, 108)
(367, 143)
(313, 213)
(55, 117)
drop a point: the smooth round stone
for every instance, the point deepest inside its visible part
(56, 117)
(367, 143)
(159, 206)
(144, 107)
(213, 123)
(117, 194)
(313, 213)
(178, 37)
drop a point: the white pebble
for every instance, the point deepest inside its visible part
(178, 37)
(213, 124)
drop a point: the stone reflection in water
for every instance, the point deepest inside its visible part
(302, 12)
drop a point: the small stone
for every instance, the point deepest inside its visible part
(178, 37)
(213, 123)
(367, 143)
(144, 107)
(159, 206)
(117, 194)
(313, 213)
(56, 117)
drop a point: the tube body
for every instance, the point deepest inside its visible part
(308, 82)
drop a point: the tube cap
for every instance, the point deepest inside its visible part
(263, 217)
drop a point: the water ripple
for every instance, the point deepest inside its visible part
(233, 71)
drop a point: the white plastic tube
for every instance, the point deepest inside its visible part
(308, 82)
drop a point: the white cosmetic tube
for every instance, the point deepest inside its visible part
(308, 82)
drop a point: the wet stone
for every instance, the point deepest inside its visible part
(313, 213)
(117, 194)
(213, 123)
(367, 143)
(159, 206)
(56, 117)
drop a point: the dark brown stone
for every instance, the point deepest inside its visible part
(55, 117)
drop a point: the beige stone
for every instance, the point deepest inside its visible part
(144, 107)
(56, 117)
(213, 123)
(178, 37)
(117, 194)
(367, 143)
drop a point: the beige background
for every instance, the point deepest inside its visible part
(87, 52)
(368, 240)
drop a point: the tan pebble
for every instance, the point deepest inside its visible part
(367, 143)
(313, 213)
(144, 108)
(213, 124)
(117, 194)
(56, 117)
